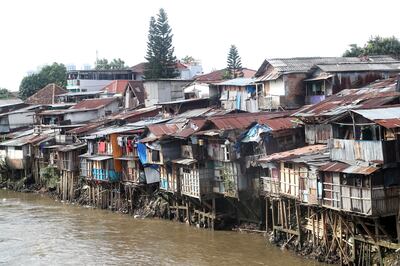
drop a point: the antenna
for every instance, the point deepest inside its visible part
(97, 58)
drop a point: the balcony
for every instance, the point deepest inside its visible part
(364, 150)
(373, 201)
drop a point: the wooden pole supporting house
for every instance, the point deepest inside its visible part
(298, 220)
(213, 214)
(266, 214)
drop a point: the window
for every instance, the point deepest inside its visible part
(155, 156)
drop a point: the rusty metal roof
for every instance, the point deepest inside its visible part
(93, 103)
(291, 154)
(281, 123)
(348, 169)
(244, 120)
(159, 130)
(388, 117)
(374, 95)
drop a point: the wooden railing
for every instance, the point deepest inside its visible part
(367, 201)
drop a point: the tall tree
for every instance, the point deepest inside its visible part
(376, 45)
(55, 73)
(234, 63)
(161, 61)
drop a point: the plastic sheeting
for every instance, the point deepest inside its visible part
(253, 135)
(141, 148)
(152, 174)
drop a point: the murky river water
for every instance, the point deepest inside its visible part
(35, 230)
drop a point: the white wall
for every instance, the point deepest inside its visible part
(18, 120)
(277, 87)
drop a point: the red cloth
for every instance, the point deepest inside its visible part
(102, 147)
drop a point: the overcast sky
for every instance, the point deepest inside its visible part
(39, 32)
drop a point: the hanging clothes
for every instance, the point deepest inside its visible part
(102, 147)
(120, 141)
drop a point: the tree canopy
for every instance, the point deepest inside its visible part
(376, 45)
(116, 63)
(234, 63)
(161, 61)
(55, 73)
(6, 94)
(188, 60)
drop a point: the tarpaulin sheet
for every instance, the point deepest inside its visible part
(253, 135)
(142, 152)
(152, 174)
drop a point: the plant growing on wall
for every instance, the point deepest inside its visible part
(229, 184)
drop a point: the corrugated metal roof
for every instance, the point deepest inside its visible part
(244, 120)
(237, 82)
(184, 161)
(374, 95)
(99, 158)
(71, 147)
(280, 123)
(348, 169)
(361, 66)
(291, 154)
(380, 113)
(305, 64)
(160, 130)
(93, 103)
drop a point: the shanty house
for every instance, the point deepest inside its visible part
(90, 109)
(240, 94)
(316, 117)
(328, 79)
(282, 79)
(367, 190)
(293, 173)
(164, 90)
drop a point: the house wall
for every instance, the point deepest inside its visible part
(4, 125)
(83, 116)
(163, 91)
(19, 120)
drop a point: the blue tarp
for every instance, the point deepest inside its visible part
(251, 89)
(142, 153)
(238, 101)
(253, 135)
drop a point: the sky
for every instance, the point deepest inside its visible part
(35, 33)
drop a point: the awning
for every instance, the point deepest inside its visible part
(319, 78)
(184, 161)
(100, 158)
(348, 169)
(131, 158)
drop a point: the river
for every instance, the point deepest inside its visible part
(36, 230)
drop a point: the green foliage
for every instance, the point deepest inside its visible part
(50, 176)
(376, 45)
(116, 63)
(188, 60)
(55, 73)
(234, 63)
(354, 51)
(161, 62)
(102, 64)
(5, 94)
